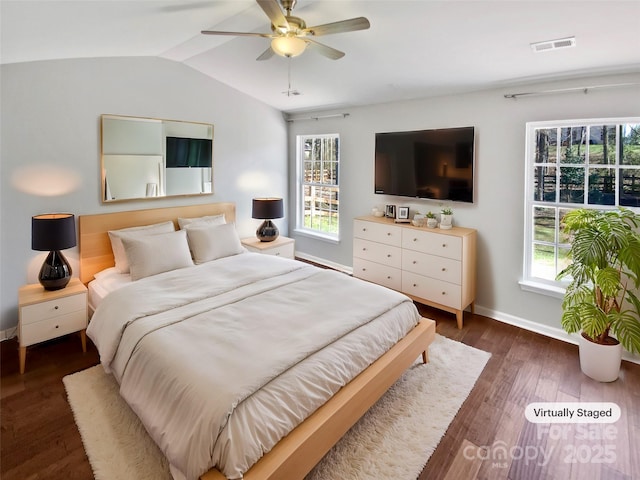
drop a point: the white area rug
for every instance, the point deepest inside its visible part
(393, 440)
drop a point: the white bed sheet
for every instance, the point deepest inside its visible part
(260, 419)
(105, 282)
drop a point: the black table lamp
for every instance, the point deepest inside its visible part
(54, 232)
(267, 209)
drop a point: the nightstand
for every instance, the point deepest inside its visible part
(47, 314)
(281, 246)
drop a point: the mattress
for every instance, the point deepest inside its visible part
(222, 360)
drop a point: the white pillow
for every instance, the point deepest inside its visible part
(116, 236)
(208, 219)
(152, 254)
(209, 242)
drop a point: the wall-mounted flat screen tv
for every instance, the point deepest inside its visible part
(188, 152)
(437, 164)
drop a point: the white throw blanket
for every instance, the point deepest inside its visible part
(189, 346)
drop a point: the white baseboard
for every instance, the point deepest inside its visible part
(546, 330)
(326, 263)
(8, 333)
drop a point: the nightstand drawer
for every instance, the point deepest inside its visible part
(52, 328)
(285, 251)
(53, 308)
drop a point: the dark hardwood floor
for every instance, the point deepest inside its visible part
(489, 438)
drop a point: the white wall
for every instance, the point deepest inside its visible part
(498, 211)
(50, 133)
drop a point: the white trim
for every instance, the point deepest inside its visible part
(546, 330)
(326, 263)
(307, 232)
(8, 334)
(542, 288)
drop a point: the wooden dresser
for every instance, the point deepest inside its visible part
(433, 266)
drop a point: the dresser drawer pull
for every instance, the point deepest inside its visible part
(415, 284)
(388, 255)
(364, 249)
(56, 307)
(444, 269)
(444, 293)
(415, 239)
(388, 277)
(364, 229)
(57, 326)
(388, 234)
(414, 262)
(364, 269)
(444, 245)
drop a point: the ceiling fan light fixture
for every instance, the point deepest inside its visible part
(288, 46)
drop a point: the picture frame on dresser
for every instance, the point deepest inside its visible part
(402, 214)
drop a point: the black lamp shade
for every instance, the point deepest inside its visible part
(54, 232)
(267, 209)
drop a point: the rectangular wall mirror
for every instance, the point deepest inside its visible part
(151, 157)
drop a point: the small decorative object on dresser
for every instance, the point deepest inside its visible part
(390, 211)
(402, 215)
(44, 315)
(267, 209)
(446, 218)
(280, 247)
(53, 232)
(432, 221)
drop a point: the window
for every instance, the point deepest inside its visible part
(574, 164)
(318, 187)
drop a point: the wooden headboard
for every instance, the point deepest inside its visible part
(95, 246)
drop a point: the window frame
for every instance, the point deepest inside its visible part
(300, 185)
(529, 281)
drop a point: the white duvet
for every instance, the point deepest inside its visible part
(221, 360)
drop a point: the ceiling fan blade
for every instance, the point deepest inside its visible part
(273, 11)
(266, 55)
(237, 34)
(328, 52)
(351, 25)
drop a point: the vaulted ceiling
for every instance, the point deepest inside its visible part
(414, 48)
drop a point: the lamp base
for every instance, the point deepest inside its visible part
(55, 272)
(267, 232)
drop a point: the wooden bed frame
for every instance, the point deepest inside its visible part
(297, 453)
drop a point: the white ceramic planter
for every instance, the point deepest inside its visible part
(600, 362)
(446, 221)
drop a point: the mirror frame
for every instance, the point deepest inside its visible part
(157, 190)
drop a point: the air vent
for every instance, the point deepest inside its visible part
(554, 44)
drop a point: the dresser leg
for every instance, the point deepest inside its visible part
(459, 315)
(425, 356)
(22, 352)
(83, 339)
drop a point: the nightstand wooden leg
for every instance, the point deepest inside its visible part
(83, 339)
(23, 358)
(459, 315)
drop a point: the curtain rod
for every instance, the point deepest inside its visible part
(319, 117)
(585, 90)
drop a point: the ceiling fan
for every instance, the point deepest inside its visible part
(290, 35)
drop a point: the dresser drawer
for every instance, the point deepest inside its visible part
(439, 244)
(377, 252)
(438, 291)
(52, 328)
(440, 268)
(378, 232)
(384, 275)
(53, 308)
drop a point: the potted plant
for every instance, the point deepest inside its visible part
(600, 301)
(432, 222)
(446, 218)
